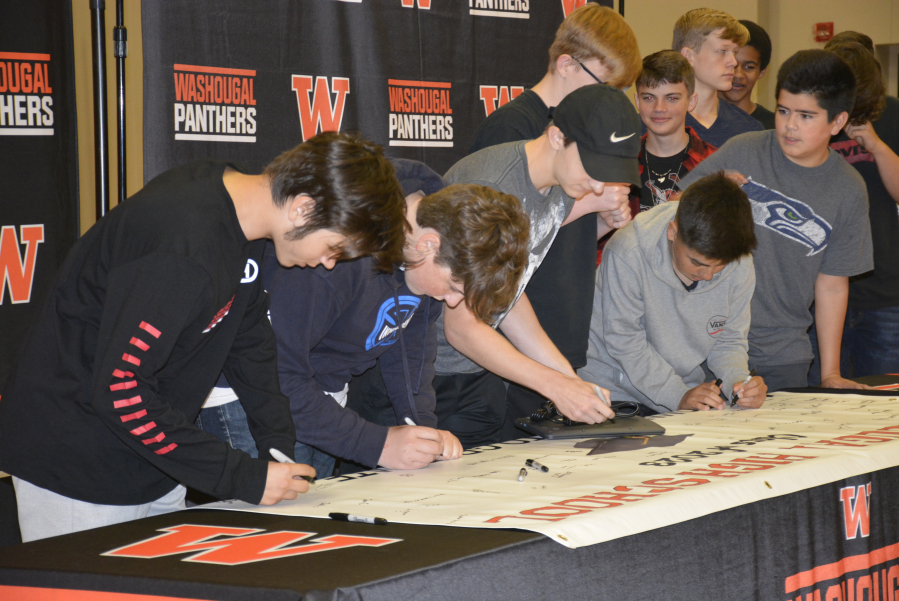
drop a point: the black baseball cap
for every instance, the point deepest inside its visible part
(415, 176)
(606, 128)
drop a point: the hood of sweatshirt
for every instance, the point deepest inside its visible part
(651, 232)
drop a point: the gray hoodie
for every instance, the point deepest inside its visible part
(649, 335)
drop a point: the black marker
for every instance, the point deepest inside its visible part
(346, 517)
(522, 474)
(536, 466)
(735, 398)
(718, 383)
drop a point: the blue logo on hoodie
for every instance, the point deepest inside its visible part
(390, 319)
(788, 217)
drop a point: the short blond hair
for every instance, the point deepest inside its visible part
(695, 26)
(594, 31)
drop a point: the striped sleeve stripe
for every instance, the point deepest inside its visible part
(139, 343)
(165, 450)
(131, 416)
(150, 329)
(127, 402)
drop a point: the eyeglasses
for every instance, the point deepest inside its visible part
(589, 72)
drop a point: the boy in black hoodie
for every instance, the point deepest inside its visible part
(151, 305)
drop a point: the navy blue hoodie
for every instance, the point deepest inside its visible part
(332, 325)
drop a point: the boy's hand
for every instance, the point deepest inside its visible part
(752, 395)
(285, 481)
(865, 135)
(580, 401)
(452, 448)
(618, 218)
(736, 176)
(411, 447)
(837, 381)
(702, 398)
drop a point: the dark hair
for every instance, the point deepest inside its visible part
(821, 74)
(758, 39)
(714, 218)
(355, 191)
(852, 36)
(484, 238)
(666, 66)
(871, 93)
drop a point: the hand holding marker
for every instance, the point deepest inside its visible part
(282, 458)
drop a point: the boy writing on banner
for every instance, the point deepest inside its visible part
(810, 210)
(465, 242)
(150, 306)
(669, 149)
(709, 39)
(594, 44)
(591, 144)
(673, 292)
(752, 65)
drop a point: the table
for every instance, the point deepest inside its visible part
(831, 539)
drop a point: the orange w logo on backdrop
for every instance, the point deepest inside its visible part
(317, 113)
(857, 515)
(568, 6)
(18, 272)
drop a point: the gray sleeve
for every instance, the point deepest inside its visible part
(849, 251)
(625, 337)
(729, 358)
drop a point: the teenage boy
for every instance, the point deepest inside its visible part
(465, 242)
(594, 44)
(709, 39)
(752, 65)
(673, 292)
(669, 149)
(161, 295)
(869, 143)
(593, 139)
(810, 210)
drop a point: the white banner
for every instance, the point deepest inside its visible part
(594, 491)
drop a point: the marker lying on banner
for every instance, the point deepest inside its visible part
(522, 474)
(736, 397)
(347, 517)
(282, 458)
(536, 466)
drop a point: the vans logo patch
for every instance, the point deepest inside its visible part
(715, 325)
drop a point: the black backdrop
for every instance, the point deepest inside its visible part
(243, 81)
(38, 161)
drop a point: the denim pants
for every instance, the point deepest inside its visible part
(228, 423)
(870, 344)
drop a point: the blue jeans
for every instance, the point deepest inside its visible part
(228, 423)
(870, 344)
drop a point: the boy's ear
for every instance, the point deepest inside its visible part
(692, 104)
(687, 53)
(428, 243)
(299, 209)
(839, 122)
(672, 231)
(762, 72)
(556, 138)
(564, 64)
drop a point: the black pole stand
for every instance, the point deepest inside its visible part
(120, 50)
(101, 134)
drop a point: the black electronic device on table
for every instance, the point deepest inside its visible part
(552, 425)
(623, 426)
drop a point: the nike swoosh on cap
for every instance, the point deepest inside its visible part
(615, 139)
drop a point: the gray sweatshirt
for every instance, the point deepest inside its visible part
(648, 334)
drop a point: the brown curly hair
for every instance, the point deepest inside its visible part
(483, 240)
(870, 96)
